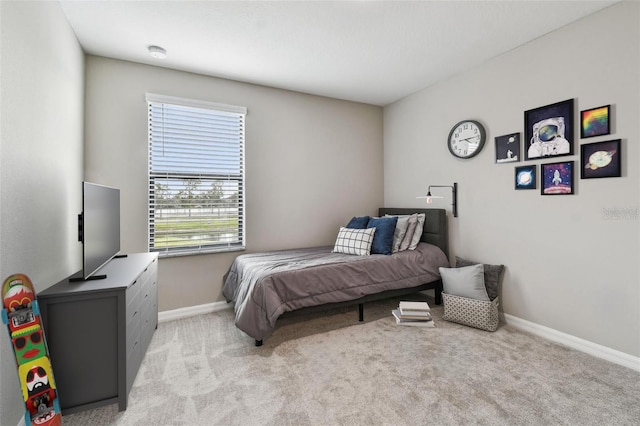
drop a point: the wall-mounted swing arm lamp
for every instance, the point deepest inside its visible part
(454, 195)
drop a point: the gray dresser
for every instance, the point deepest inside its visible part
(98, 331)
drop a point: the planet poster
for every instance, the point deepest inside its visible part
(600, 159)
(526, 177)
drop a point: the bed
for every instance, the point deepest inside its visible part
(264, 286)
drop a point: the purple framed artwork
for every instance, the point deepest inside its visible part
(557, 178)
(600, 159)
(549, 131)
(595, 122)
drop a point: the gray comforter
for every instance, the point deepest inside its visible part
(265, 285)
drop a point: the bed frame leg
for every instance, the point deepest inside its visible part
(360, 312)
(258, 342)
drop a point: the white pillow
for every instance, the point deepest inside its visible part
(467, 281)
(401, 230)
(417, 233)
(408, 236)
(354, 241)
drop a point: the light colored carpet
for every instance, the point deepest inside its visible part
(329, 369)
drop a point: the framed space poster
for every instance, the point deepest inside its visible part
(508, 148)
(595, 122)
(557, 178)
(600, 159)
(526, 177)
(549, 131)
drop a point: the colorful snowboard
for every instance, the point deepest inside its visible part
(21, 315)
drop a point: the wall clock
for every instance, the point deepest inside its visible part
(466, 139)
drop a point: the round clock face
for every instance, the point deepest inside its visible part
(466, 139)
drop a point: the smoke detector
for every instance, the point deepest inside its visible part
(157, 52)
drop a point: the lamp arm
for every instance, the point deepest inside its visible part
(454, 194)
(439, 186)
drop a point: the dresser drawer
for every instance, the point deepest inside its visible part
(149, 274)
(133, 295)
(134, 359)
(133, 330)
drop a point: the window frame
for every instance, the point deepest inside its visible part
(223, 178)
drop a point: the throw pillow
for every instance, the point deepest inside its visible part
(467, 281)
(358, 222)
(383, 238)
(408, 236)
(401, 230)
(354, 241)
(417, 234)
(492, 275)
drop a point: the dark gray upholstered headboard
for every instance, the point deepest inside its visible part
(435, 230)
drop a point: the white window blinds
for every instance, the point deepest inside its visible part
(196, 176)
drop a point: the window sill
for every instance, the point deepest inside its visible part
(178, 253)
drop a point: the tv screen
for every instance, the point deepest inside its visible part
(100, 226)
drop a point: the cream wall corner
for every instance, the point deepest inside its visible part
(570, 266)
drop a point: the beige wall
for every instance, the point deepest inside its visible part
(312, 163)
(41, 122)
(568, 266)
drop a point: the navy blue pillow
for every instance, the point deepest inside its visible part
(358, 222)
(383, 237)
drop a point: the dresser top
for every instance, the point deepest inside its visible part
(121, 272)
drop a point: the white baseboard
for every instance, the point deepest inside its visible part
(577, 343)
(192, 311)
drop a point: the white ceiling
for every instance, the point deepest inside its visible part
(374, 52)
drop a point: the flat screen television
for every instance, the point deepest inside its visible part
(99, 227)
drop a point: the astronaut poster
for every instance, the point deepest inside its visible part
(508, 148)
(549, 131)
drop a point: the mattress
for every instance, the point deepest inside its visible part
(263, 286)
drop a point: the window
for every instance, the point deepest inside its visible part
(196, 176)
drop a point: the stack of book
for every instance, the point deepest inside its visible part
(416, 314)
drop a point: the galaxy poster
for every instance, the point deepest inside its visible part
(600, 159)
(526, 177)
(557, 178)
(595, 122)
(549, 131)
